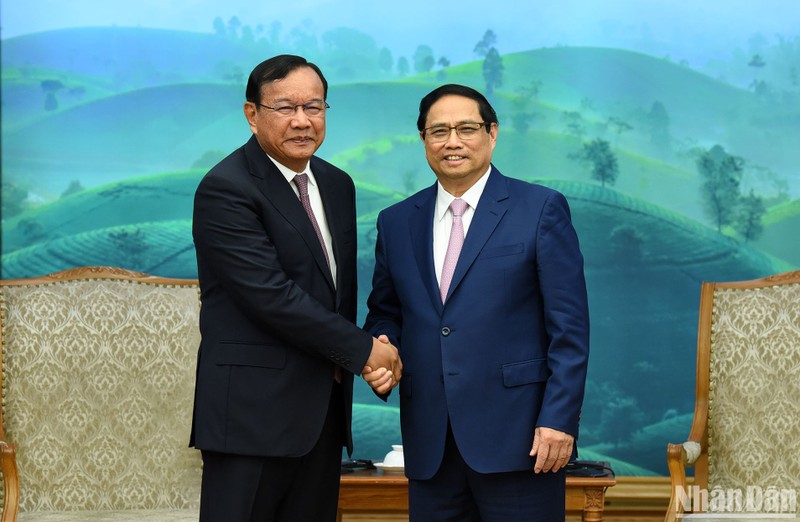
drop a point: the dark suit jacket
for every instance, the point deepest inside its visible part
(272, 323)
(508, 351)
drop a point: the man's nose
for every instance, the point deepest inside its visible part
(300, 118)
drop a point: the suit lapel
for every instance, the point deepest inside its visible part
(275, 188)
(421, 229)
(491, 208)
(335, 213)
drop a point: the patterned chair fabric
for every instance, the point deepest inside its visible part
(97, 385)
(745, 438)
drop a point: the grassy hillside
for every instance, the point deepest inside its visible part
(162, 248)
(161, 56)
(781, 225)
(165, 197)
(170, 126)
(644, 265)
(130, 126)
(127, 135)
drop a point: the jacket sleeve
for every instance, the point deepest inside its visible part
(565, 302)
(235, 246)
(384, 315)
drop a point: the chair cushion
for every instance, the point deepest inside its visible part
(754, 388)
(98, 380)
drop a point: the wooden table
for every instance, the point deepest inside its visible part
(374, 491)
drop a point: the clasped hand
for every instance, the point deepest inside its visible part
(383, 369)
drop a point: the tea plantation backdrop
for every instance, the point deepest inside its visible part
(672, 127)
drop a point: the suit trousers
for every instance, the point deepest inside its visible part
(243, 488)
(457, 493)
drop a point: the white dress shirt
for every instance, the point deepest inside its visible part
(443, 218)
(316, 206)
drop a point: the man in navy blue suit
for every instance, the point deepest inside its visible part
(479, 283)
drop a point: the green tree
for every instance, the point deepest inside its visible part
(721, 174)
(50, 88)
(625, 243)
(349, 51)
(485, 43)
(233, 27)
(531, 90)
(248, 37)
(658, 124)
(423, 59)
(385, 60)
(219, 27)
(601, 158)
(749, 216)
(574, 122)
(402, 66)
(444, 63)
(757, 61)
(522, 118)
(73, 188)
(619, 126)
(492, 71)
(31, 231)
(14, 199)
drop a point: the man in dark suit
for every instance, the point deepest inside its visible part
(275, 233)
(479, 282)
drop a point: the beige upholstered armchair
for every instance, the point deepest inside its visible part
(97, 383)
(745, 437)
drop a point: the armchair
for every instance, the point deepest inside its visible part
(97, 382)
(744, 441)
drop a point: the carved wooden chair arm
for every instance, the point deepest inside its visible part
(8, 464)
(679, 457)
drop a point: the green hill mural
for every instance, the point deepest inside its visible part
(103, 150)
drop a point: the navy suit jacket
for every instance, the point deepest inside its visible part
(272, 323)
(508, 350)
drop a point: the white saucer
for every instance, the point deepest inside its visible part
(380, 465)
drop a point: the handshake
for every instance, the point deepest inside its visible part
(383, 369)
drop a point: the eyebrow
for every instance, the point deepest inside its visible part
(460, 122)
(289, 100)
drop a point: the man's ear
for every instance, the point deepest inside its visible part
(250, 114)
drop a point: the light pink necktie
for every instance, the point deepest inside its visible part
(457, 207)
(301, 181)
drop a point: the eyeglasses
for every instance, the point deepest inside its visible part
(464, 131)
(312, 108)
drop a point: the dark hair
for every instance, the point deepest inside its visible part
(278, 68)
(484, 107)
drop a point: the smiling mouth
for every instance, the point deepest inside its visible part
(453, 158)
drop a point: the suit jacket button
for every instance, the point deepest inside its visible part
(445, 331)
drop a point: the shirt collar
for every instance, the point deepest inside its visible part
(471, 196)
(289, 174)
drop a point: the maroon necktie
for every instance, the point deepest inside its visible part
(301, 181)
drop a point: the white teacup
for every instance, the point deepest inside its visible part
(394, 459)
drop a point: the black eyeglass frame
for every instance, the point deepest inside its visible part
(305, 107)
(450, 129)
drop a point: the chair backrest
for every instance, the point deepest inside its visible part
(98, 368)
(749, 377)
